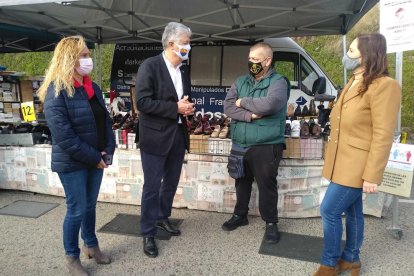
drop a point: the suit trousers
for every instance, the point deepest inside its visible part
(161, 177)
(261, 163)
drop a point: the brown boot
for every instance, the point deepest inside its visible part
(324, 270)
(96, 253)
(355, 267)
(75, 267)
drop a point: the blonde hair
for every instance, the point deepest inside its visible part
(61, 67)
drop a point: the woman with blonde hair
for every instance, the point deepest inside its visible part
(362, 129)
(81, 139)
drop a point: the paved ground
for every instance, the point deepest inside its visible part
(34, 247)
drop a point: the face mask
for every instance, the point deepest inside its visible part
(85, 66)
(183, 51)
(350, 63)
(255, 68)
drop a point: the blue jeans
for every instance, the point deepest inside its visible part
(339, 199)
(81, 190)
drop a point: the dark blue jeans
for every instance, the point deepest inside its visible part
(161, 177)
(81, 190)
(339, 199)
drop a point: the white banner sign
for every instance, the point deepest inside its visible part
(397, 24)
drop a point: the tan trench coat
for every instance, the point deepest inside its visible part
(362, 131)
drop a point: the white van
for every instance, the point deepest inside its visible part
(214, 66)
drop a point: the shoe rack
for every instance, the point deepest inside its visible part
(10, 97)
(14, 90)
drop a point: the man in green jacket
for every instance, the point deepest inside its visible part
(257, 105)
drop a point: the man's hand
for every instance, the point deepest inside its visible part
(238, 102)
(255, 116)
(369, 187)
(185, 107)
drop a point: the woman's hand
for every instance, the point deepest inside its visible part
(369, 187)
(101, 164)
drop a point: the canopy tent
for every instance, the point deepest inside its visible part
(110, 21)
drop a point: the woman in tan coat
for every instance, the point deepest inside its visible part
(362, 127)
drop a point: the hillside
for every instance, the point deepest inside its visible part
(326, 50)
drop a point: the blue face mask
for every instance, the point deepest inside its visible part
(350, 63)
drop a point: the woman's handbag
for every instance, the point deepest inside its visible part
(235, 165)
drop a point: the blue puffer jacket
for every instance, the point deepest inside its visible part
(74, 136)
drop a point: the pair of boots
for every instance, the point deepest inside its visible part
(305, 111)
(221, 129)
(342, 266)
(203, 126)
(74, 265)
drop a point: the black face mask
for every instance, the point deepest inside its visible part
(255, 68)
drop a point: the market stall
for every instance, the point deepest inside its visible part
(204, 183)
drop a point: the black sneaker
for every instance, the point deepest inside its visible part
(272, 234)
(234, 222)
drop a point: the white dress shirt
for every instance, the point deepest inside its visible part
(175, 74)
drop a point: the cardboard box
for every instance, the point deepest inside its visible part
(26, 88)
(199, 143)
(288, 143)
(295, 148)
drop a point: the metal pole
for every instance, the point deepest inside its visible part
(100, 65)
(395, 228)
(343, 54)
(398, 77)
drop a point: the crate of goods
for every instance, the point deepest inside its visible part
(131, 141)
(121, 138)
(199, 143)
(219, 146)
(311, 148)
(292, 148)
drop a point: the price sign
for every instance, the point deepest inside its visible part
(28, 111)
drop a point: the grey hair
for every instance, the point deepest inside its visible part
(266, 49)
(173, 31)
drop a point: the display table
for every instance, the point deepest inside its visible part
(204, 183)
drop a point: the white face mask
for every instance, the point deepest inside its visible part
(350, 63)
(85, 66)
(183, 51)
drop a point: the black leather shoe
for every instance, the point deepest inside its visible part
(288, 129)
(272, 234)
(150, 247)
(234, 222)
(168, 227)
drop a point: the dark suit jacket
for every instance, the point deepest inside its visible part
(157, 105)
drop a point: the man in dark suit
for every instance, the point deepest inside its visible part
(163, 100)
